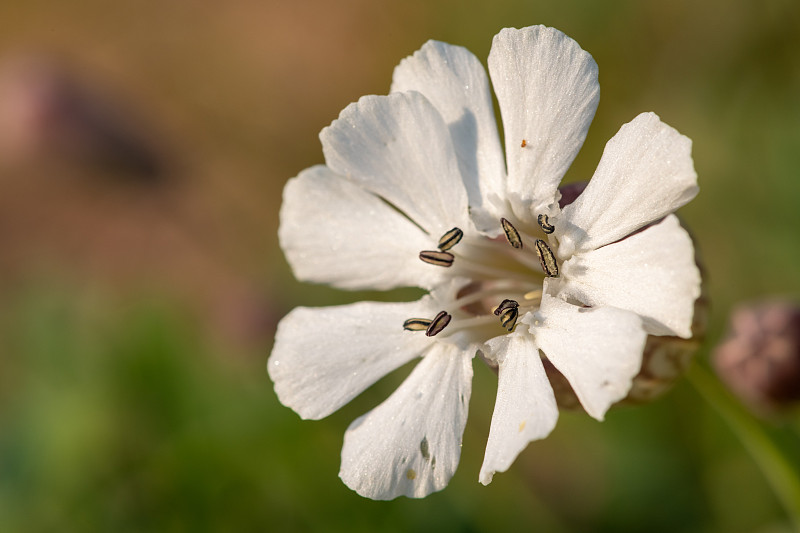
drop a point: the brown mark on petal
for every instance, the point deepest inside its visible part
(411, 474)
(423, 448)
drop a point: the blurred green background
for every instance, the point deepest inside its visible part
(143, 149)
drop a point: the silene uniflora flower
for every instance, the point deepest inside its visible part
(417, 191)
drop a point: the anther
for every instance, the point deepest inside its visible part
(439, 322)
(450, 239)
(545, 225)
(523, 144)
(505, 305)
(547, 259)
(509, 318)
(435, 257)
(416, 324)
(533, 295)
(511, 233)
(508, 311)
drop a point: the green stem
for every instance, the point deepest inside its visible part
(779, 473)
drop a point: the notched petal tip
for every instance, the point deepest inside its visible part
(324, 357)
(645, 173)
(598, 352)
(455, 82)
(548, 92)
(486, 477)
(525, 409)
(410, 445)
(333, 231)
(399, 147)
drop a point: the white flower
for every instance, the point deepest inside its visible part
(581, 286)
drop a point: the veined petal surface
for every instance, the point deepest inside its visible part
(548, 92)
(598, 350)
(410, 445)
(332, 231)
(399, 148)
(525, 408)
(324, 357)
(455, 82)
(646, 172)
(652, 273)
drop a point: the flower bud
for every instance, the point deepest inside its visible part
(760, 360)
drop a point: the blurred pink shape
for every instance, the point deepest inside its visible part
(49, 112)
(760, 360)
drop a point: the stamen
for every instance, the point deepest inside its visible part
(439, 322)
(508, 311)
(469, 323)
(435, 257)
(480, 263)
(416, 324)
(547, 259)
(533, 295)
(450, 239)
(511, 234)
(509, 318)
(545, 225)
(506, 305)
(496, 273)
(493, 290)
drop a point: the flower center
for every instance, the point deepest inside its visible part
(505, 279)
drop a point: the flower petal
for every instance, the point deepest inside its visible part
(652, 273)
(410, 445)
(598, 350)
(455, 82)
(548, 92)
(646, 172)
(332, 231)
(324, 357)
(399, 148)
(525, 408)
